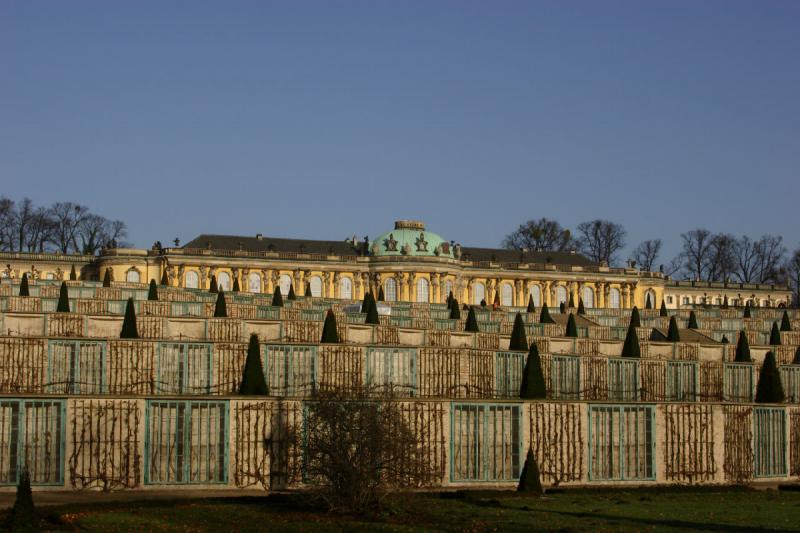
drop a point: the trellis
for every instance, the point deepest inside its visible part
(688, 443)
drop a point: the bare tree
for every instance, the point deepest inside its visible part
(95, 231)
(696, 250)
(600, 240)
(68, 218)
(759, 261)
(539, 235)
(720, 262)
(7, 224)
(646, 254)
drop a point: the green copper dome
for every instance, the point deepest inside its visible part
(411, 239)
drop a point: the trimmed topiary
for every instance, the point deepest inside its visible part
(330, 335)
(571, 300)
(472, 321)
(253, 382)
(725, 340)
(725, 302)
(631, 346)
(692, 321)
(277, 299)
(372, 311)
(107, 278)
(212, 286)
(164, 279)
(770, 388)
(518, 339)
(152, 291)
(786, 324)
(129, 329)
(449, 300)
(562, 308)
(483, 303)
(455, 311)
(291, 296)
(673, 335)
(747, 313)
(22, 516)
(532, 386)
(235, 287)
(648, 304)
(636, 320)
(308, 293)
(73, 276)
(496, 301)
(774, 335)
(581, 308)
(663, 311)
(529, 480)
(63, 299)
(381, 297)
(531, 308)
(365, 303)
(572, 328)
(24, 290)
(743, 349)
(796, 360)
(544, 316)
(220, 308)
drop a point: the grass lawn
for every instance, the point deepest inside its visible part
(653, 509)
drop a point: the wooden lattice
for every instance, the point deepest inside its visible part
(556, 438)
(688, 443)
(738, 464)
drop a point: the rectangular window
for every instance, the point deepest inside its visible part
(32, 435)
(565, 377)
(738, 382)
(186, 442)
(75, 367)
(392, 370)
(486, 442)
(183, 368)
(790, 377)
(290, 369)
(621, 442)
(769, 440)
(509, 367)
(623, 380)
(682, 381)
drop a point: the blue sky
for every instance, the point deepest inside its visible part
(324, 119)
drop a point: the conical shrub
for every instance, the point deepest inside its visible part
(24, 290)
(277, 299)
(483, 303)
(725, 302)
(663, 311)
(496, 301)
(531, 308)
(73, 275)
(572, 328)
(472, 321)
(630, 347)
(518, 339)
(529, 480)
(770, 388)
(786, 324)
(330, 335)
(63, 299)
(743, 349)
(164, 279)
(673, 335)
(747, 313)
(532, 386)
(774, 335)
(449, 300)
(152, 291)
(725, 340)
(571, 300)
(23, 517)
(129, 329)
(253, 382)
(381, 297)
(308, 293)
(372, 311)
(235, 287)
(365, 303)
(562, 308)
(107, 278)
(636, 320)
(455, 311)
(544, 316)
(291, 296)
(220, 308)
(212, 286)
(692, 320)
(796, 360)
(581, 308)
(648, 304)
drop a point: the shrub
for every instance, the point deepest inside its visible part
(572, 328)
(483, 303)
(786, 324)
(663, 311)
(107, 278)
(725, 340)
(581, 308)
(774, 335)
(496, 301)
(631, 346)
(73, 276)
(529, 479)
(277, 299)
(725, 302)
(544, 316)
(636, 320)
(372, 311)
(164, 278)
(449, 300)
(22, 516)
(152, 291)
(235, 287)
(571, 300)
(455, 311)
(648, 304)
(518, 339)
(562, 308)
(692, 320)
(381, 296)
(472, 321)
(673, 335)
(742, 349)
(770, 388)
(24, 290)
(253, 382)
(212, 286)
(308, 291)
(220, 309)
(291, 296)
(532, 385)
(531, 308)
(796, 360)
(330, 335)
(747, 313)
(63, 299)
(129, 330)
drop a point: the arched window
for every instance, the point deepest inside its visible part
(448, 288)
(588, 297)
(316, 286)
(686, 300)
(506, 295)
(132, 276)
(284, 282)
(346, 289)
(536, 292)
(422, 290)
(254, 282)
(190, 280)
(561, 295)
(613, 298)
(224, 281)
(391, 290)
(717, 301)
(478, 293)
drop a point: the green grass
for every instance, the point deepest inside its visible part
(652, 509)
